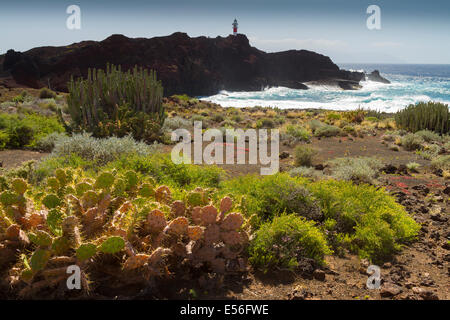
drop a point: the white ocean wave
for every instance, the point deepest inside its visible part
(402, 91)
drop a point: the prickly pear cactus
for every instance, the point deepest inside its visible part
(40, 238)
(86, 251)
(51, 201)
(112, 245)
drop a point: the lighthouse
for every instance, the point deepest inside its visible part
(235, 25)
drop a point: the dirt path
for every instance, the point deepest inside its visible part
(13, 158)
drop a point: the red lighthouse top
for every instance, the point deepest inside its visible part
(235, 27)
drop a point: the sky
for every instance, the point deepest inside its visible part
(411, 31)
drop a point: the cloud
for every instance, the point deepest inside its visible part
(386, 44)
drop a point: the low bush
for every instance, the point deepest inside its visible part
(174, 123)
(24, 131)
(307, 172)
(281, 243)
(365, 219)
(100, 151)
(270, 196)
(413, 166)
(441, 162)
(303, 155)
(412, 142)
(46, 93)
(298, 132)
(48, 142)
(428, 136)
(359, 170)
(327, 131)
(433, 116)
(265, 123)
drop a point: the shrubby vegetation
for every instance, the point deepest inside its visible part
(131, 103)
(359, 170)
(432, 116)
(25, 130)
(281, 243)
(359, 218)
(303, 155)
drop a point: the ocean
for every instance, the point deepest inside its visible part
(410, 83)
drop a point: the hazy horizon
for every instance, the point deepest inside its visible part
(411, 32)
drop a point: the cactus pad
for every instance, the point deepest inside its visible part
(146, 191)
(20, 186)
(39, 259)
(86, 251)
(40, 238)
(156, 221)
(51, 201)
(104, 181)
(112, 245)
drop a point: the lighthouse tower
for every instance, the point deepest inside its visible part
(235, 25)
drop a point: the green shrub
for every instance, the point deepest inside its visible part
(100, 151)
(47, 143)
(270, 196)
(367, 219)
(217, 117)
(428, 136)
(412, 142)
(4, 139)
(362, 169)
(315, 124)
(413, 166)
(333, 116)
(20, 131)
(429, 151)
(327, 131)
(282, 242)
(265, 123)
(434, 116)
(46, 93)
(303, 155)
(174, 123)
(441, 162)
(307, 172)
(298, 132)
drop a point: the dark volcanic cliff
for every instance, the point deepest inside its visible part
(195, 66)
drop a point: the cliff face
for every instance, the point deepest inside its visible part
(195, 66)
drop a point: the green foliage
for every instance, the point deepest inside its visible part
(441, 162)
(428, 136)
(368, 219)
(100, 151)
(20, 131)
(361, 169)
(285, 240)
(265, 123)
(112, 245)
(327, 131)
(86, 251)
(39, 259)
(433, 116)
(46, 93)
(270, 196)
(40, 238)
(298, 132)
(303, 155)
(412, 142)
(117, 103)
(51, 201)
